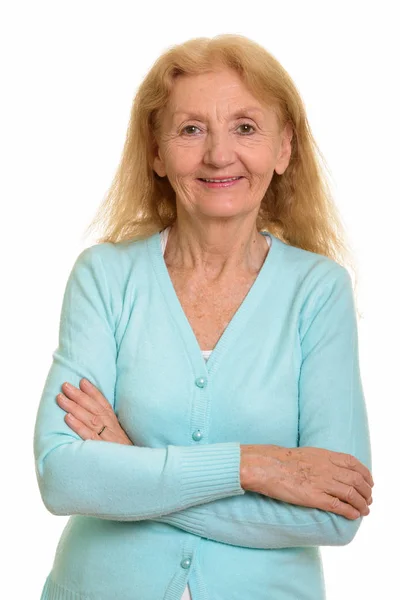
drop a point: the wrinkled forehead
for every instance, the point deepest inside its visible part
(228, 98)
(180, 111)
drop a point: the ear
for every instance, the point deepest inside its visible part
(285, 151)
(158, 165)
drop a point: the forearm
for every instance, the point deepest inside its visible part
(120, 482)
(257, 521)
(104, 479)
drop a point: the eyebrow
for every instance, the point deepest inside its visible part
(239, 113)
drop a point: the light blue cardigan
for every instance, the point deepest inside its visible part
(147, 519)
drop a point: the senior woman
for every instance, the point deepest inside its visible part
(203, 421)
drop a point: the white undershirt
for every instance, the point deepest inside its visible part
(205, 353)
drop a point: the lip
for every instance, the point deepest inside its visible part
(221, 184)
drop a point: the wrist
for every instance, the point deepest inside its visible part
(257, 463)
(247, 468)
(244, 476)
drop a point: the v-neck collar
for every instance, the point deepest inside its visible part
(263, 284)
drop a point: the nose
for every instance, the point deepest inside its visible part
(219, 150)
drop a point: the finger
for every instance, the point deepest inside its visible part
(80, 428)
(87, 433)
(90, 403)
(349, 461)
(349, 495)
(354, 479)
(89, 419)
(95, 393)
(333, 504)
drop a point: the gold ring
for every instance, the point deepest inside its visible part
(102, 429)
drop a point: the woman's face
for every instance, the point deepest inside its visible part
(212, 127)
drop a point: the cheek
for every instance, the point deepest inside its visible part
(263, 167)
(261, 157)
(256, 156)
(182, 185)
(182, 161)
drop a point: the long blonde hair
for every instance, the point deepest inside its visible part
(297, 207)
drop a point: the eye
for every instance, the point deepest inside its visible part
(247, 125)
(189, 127)
(184, 130)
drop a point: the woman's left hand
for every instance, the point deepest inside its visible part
(90, 415)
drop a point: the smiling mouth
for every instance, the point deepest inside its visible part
(219, 183)
(222, 180)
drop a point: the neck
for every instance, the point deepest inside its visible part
(215, 254)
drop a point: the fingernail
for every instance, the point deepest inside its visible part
(85, 381)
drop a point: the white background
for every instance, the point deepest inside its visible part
(69, 73)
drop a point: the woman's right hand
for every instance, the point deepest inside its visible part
(308, 476)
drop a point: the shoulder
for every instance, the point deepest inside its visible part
(109, 253)
(111, 272)
(311, 269)
(314, 281)
(116, 260)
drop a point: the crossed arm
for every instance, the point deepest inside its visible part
(183, 485)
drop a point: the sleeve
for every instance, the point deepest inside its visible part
(332, 415)
(105, 479)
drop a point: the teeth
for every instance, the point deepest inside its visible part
(220, 180)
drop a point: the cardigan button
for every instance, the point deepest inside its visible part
(197, 435)
(185, 564)
(201, 382)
